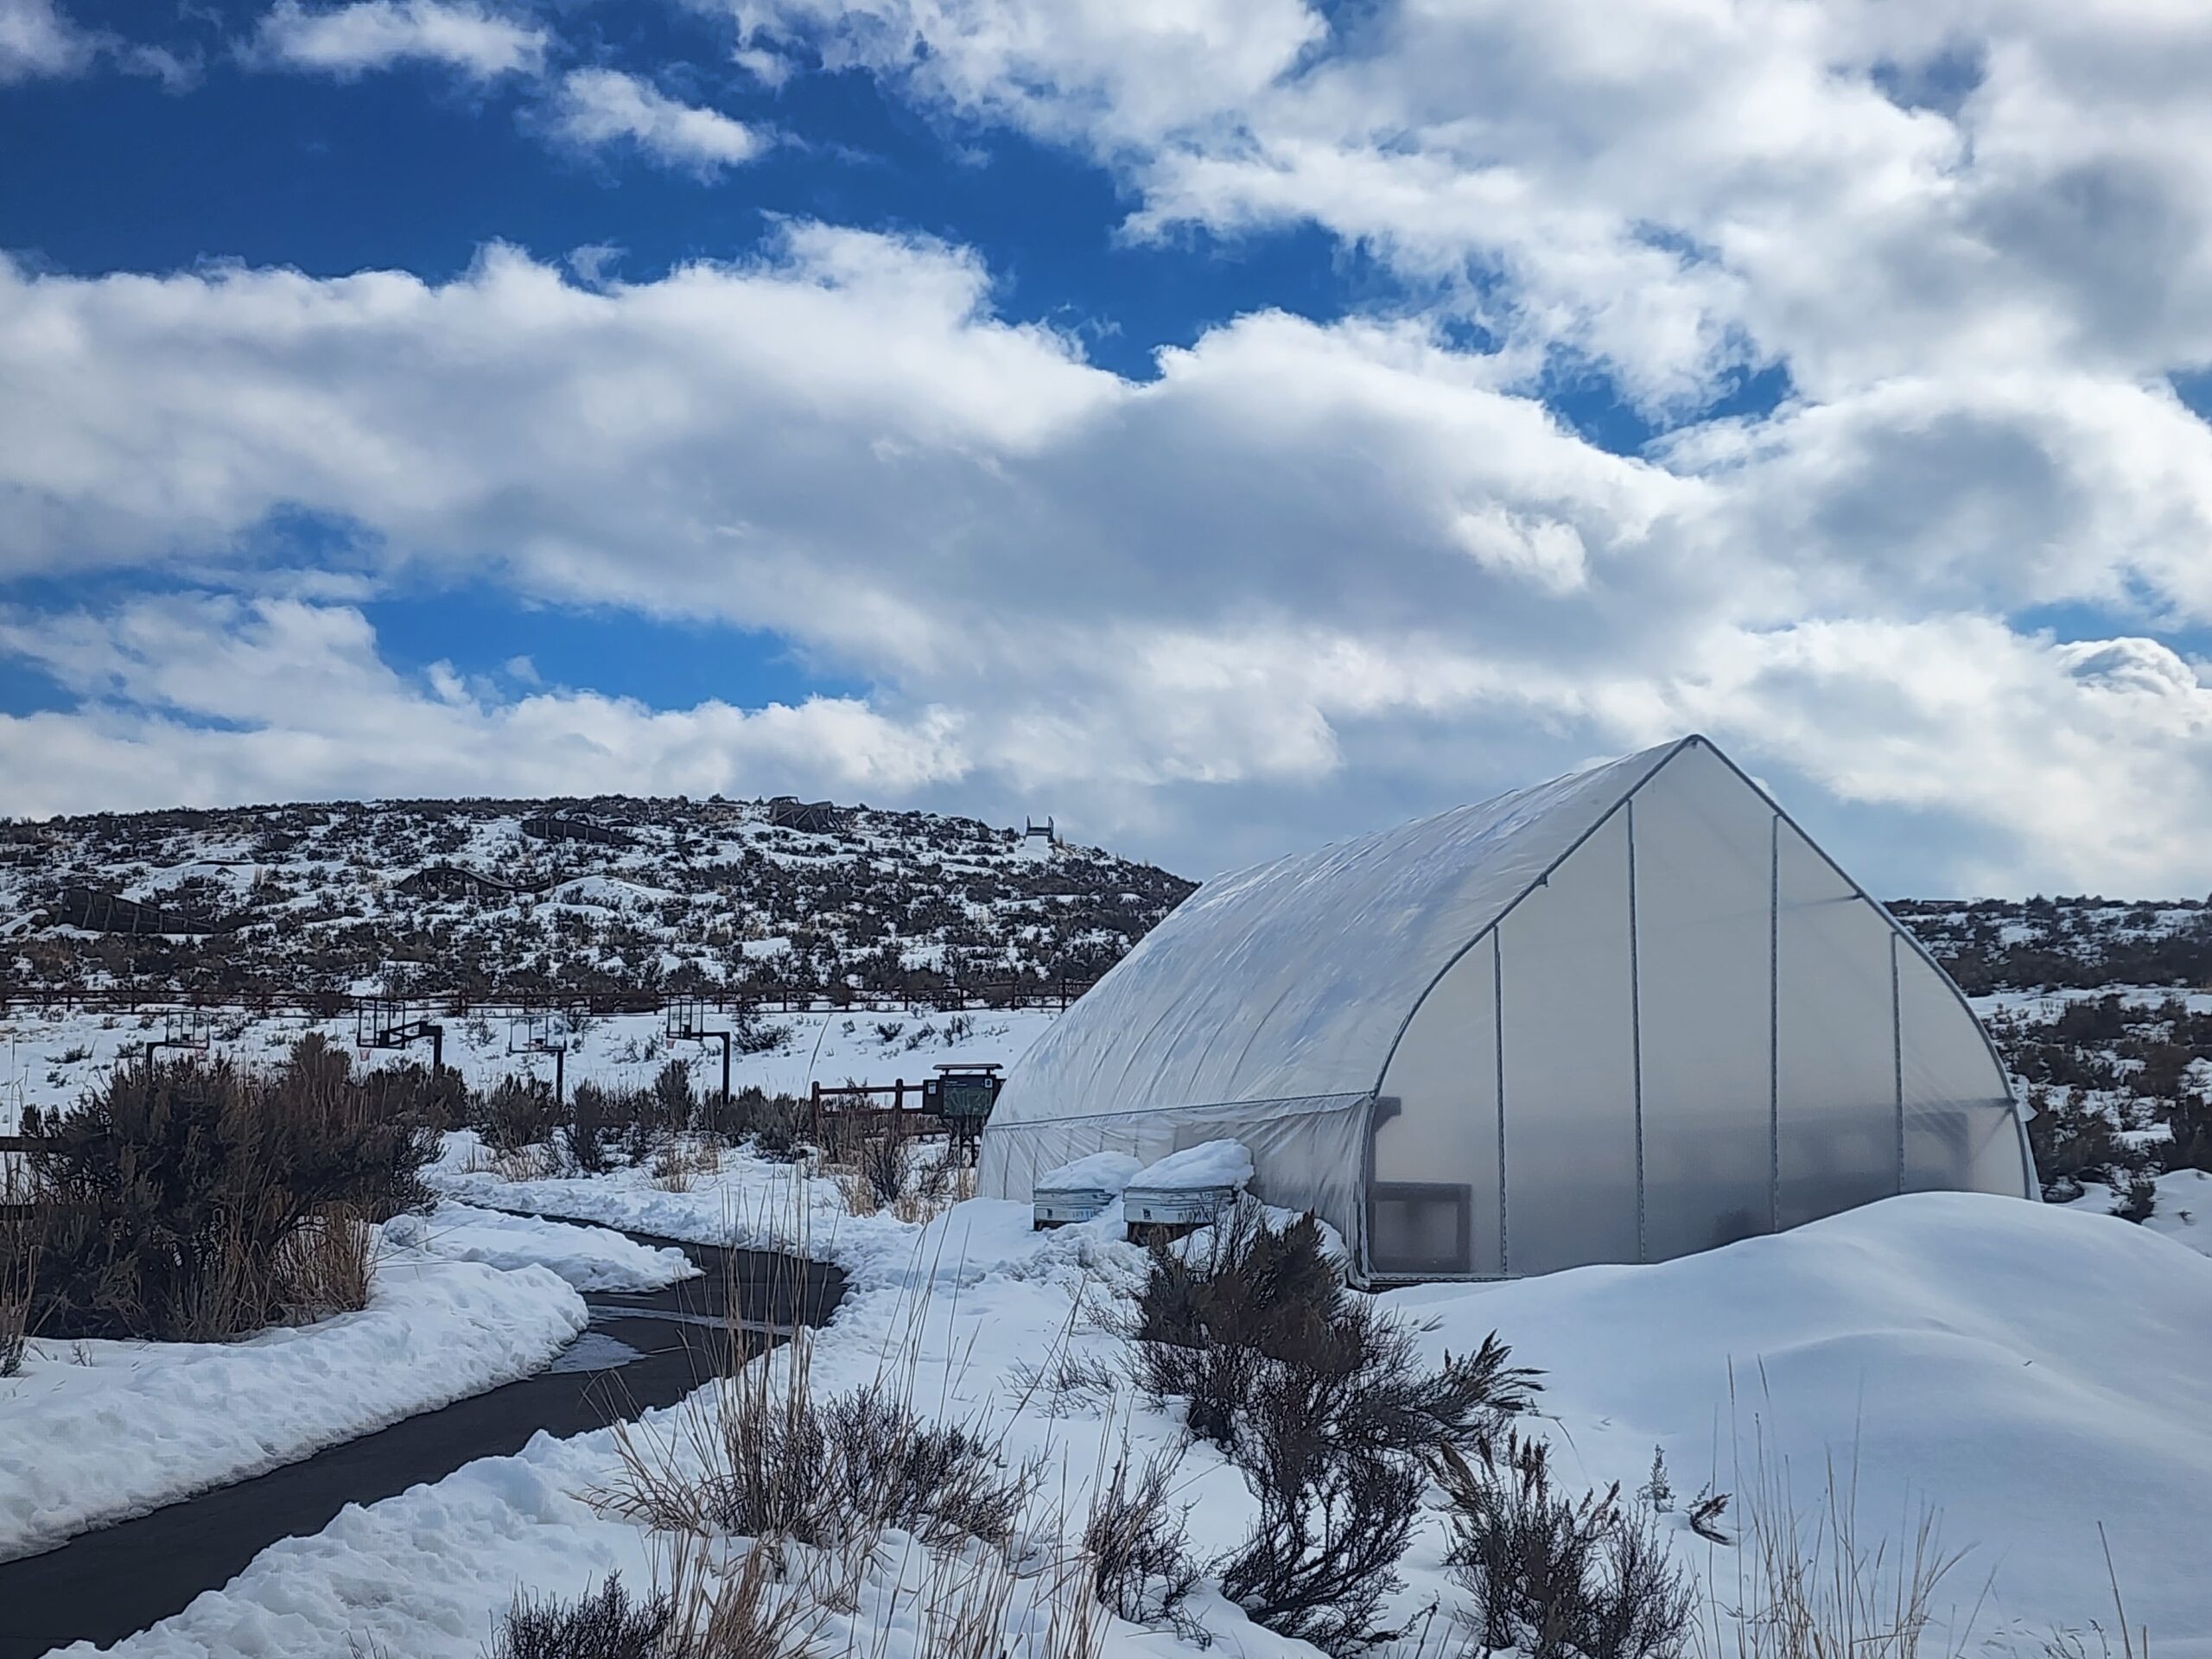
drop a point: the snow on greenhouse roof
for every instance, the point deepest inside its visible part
(1293, 979)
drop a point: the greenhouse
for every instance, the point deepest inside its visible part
(1622, 1016)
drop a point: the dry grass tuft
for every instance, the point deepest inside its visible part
(1812, 1580)
(682, 1159)
(937, 1187)
(18, 1267)
(328, 1265)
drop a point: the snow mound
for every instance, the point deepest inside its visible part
(139, 1424)
(1101, 1172)
(589, 1258)
(1210, 1163)
(2028, 1370)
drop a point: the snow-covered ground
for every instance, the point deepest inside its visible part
(587, 1258)
(2049, 1002)
(49, 1061)
(2028, 1371)
(749, 1202)
(2183, 1212)
(93, 1433)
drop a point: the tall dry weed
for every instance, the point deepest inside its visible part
(1810, 1577)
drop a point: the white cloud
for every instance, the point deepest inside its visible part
(2080, 764)
(36, 39)
(597, 107)
(39, 41)
(352, 39)
(1308, 578)
(1124, 70)
(1669, 190)
(303, 707)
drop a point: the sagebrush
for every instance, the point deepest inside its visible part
(199, 1201)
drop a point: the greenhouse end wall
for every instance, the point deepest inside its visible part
(1694, 1029)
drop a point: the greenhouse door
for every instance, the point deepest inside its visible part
(1419, 1230)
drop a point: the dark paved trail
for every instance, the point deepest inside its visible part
(104, 1586)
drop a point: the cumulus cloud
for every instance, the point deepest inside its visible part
(352, 39)
(1670, 193)
(2074, 764)
(597, 107)
(1308, 577)
(206, 698)
(36, 39)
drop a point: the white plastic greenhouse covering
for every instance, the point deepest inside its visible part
(1621, 1016)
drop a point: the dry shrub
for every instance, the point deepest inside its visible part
(514, 1113)
(1259, 1315)
(977, 1606)
(328, 1264)
(747, 1614)
(706, 1614)
(841, 1138)
(746, 1113)
(587, 1129)
(605, 1625)
(765, 1459)
(197, 1202)
(672, 1169)
(1552, 1575)
(815, 1485)
(775, 1125)
(855, 1192)
(526, 1163)
(681, 1159)
(1324, 1404)
(1137, 1543)
(886, 1162)
(1331, 1528)
(675, 1102)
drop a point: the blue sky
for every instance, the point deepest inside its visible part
(1222, 425)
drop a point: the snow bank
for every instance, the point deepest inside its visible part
(1210, 1163)
(589, 1258)
(1100, 1172)
(138, 1425)
(2029, 1371)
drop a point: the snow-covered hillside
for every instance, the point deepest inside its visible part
(604, 897)
(2029, 945)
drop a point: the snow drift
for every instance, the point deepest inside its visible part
(2029, 1371)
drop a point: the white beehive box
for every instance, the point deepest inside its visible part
(1188, 1188)
(1081, 1191)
